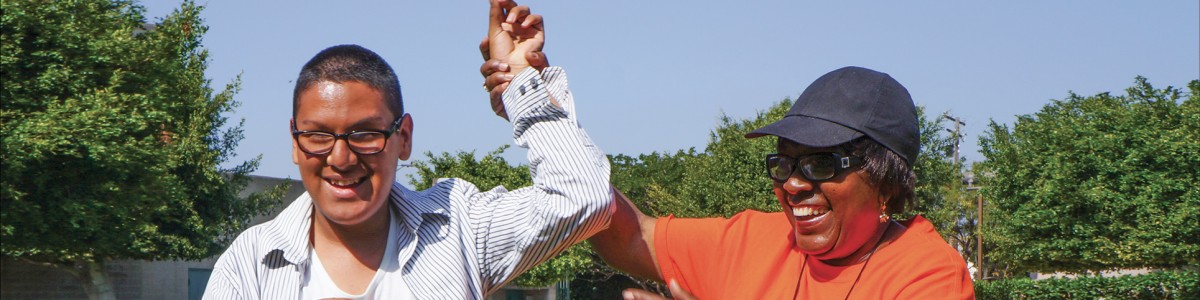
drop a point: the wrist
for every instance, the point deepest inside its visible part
(517, 68)
(517, 63)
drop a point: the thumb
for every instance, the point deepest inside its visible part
(499, 42)
(678, 292)
(537, 59)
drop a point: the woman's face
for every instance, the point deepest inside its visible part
(831, 219)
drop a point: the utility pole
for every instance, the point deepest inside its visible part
(970, 180)
(958, 123)
(979, 236)
(979, 228)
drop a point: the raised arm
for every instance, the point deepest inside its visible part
(628, 241)
(569, 199)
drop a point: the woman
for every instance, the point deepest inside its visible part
(845, 151)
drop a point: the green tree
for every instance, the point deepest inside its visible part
(729, 176)
(1096, 183)
(654, 173)
(113, 140)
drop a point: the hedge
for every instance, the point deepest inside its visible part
(1157, 285)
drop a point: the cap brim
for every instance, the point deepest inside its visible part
(808, 131)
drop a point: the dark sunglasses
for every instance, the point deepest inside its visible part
(814, 167)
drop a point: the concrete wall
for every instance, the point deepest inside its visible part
(28, 281)
(132, 279)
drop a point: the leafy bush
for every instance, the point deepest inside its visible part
(1157, 285)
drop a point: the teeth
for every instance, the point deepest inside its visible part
(807, 211)
(344, 182)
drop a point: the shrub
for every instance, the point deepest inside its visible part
(1157, 285)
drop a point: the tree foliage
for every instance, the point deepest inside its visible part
(113, 139)
(1099, 182)
(1155, 285)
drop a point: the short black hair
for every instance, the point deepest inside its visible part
(344, 63)
(886, 171)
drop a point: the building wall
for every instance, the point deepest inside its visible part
(132, 279)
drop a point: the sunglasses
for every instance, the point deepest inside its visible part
(814, 167)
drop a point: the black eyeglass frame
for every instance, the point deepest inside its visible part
(843, 162)
(345, 136)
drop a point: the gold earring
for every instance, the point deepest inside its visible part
(883, 215)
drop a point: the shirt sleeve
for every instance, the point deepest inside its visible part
(569, 199)
(923, 265)
(941, 283)
(686, 250)
(940, 273)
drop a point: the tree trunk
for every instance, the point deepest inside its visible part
(95, 280)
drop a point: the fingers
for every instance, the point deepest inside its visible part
(678, 292)
(500, 42)
(537, 60)
(527, 40)
(522, 23)
(492, 66)
(496, 14)
(496, 72)
(639, 294)
(483, 49)
(516, 13)
(496, 95)
(496, 79)
(492, 82)
(531, 20)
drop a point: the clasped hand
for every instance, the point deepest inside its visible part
(514, 42)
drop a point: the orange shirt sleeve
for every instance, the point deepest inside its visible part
(718, 258)
(943, 273)
(682, 246)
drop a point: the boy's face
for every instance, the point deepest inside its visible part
(349, 188)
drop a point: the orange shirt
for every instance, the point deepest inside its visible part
(751, 256)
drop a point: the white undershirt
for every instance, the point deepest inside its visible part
(388, 282)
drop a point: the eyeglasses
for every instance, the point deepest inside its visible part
(814, 167)
(363, 142)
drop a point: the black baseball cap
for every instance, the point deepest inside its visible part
(849, 103)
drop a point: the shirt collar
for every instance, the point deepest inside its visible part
(294, 222)
(290, 230)
(416, 206)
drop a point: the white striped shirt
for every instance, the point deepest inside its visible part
(456, 242)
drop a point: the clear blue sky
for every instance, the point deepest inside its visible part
(657, 75)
